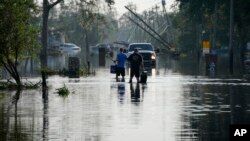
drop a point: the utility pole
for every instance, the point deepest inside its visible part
(156, 18)
(170, 37)
(158, 39)
(214, 25)
(231, 55)
(149, 27)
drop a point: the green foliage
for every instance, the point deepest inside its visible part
(64, 91)
(17, 34)
(75, 20)
(18, 37)
(202, 16)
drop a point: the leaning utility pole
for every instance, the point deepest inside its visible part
(149, 27)
(170, 37)
(163, 43)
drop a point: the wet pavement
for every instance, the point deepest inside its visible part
(172, 106)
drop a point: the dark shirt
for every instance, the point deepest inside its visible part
(135, 60)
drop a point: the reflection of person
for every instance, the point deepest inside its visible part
(120, 68)
(136, 61)
(121, 91)
(135, 93)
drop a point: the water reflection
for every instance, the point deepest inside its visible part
(11, 123)
(210, 109)
(155, 72)
(45, 128)
(121, 91)
(240, 105)
(72, 80)
(170, 107)
(135, 93)
(16, 97)
(17, 131)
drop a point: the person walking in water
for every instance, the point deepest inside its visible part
(136, 62)
(120, 68)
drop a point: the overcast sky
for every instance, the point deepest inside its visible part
(141, 4)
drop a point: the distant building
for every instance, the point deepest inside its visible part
(55, 39)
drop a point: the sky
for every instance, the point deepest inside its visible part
(141, 5)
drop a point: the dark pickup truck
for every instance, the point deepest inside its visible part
(147, 51)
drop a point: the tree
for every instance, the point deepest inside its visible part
(47, 6)
(201, 12)
(17, 34)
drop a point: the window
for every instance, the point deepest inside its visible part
(141, 47)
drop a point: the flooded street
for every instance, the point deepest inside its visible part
(172, 106)
(58, 61)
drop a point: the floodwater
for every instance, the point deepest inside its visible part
(172, 106)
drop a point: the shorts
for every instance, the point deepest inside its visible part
(120, 71)
(135, 72)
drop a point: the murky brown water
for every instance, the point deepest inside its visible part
(170, 107)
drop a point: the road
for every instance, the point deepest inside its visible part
(171, 107)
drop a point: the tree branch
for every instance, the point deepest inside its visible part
(11, 67)
(7, 68)
(55, 3)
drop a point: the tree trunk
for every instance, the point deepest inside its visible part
(231, 54)
(17, 78)
(87, 51)
(31, 66)
(14, 74)
(43, 55)
(18, 81)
